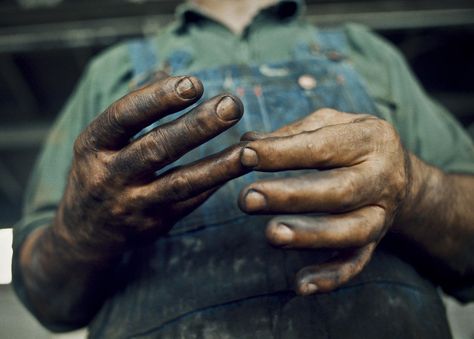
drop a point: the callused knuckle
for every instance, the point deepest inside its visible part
(97, 186)
(346, 193)
(386, 131)
(113, 115)
(79, 147)
(195, 124)
(158, 147)
(180, 186)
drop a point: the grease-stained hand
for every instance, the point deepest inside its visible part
(114, 199)
(361, 181)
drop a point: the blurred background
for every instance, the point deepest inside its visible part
(45, 45)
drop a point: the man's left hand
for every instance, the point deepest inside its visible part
(362, 180)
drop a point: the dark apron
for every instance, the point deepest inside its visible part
(215, 276)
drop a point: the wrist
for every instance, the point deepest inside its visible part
(81, 243)
(422, 179)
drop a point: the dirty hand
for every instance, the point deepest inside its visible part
(362, 180)
(114, 199)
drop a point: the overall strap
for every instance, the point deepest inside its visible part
(331, 40)
(144, 59)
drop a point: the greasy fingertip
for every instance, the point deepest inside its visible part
(279, 234)
(249, 157)
(322, 278)
(239, 103)
(189, 87)
(336, 272)
(229, 108)
(251, 201)
(306, 289)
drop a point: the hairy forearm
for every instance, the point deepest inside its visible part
(64, 288)
(439, 216)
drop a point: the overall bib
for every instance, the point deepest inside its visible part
(215, 275)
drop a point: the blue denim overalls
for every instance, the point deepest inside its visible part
(215, 276)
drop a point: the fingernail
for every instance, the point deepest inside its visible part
(228, 110)
(284, 234)
(309, 289)
(249, 157)
(255, 201)
(186, 89)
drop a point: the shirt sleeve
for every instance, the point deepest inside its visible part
(426, 128)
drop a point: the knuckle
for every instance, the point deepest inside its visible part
(197, 124)
(95, 175)
(346, 193)
(126, 205)
(79, 147)
(386, 131)
(86, 142)
(157, 149)
(97, 187)
(179, 187)
(112, 117)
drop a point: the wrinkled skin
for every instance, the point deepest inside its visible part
(114, 199)
(364, 184)
(363, 178)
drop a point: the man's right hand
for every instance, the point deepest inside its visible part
(114, 199)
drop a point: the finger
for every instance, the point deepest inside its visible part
(174, 212)
(253, 135)
(328, 147)
(183, 183)
(354, 229)
(334, 273)
(181, 209)
(321, 118)
(160, 75)
(169, 142)
(335, 190)
(129, 115)
(156, 76)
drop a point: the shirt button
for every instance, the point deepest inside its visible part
(307, 82)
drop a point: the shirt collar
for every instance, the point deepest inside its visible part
(187, 13)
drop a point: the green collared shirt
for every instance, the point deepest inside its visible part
(426, 128)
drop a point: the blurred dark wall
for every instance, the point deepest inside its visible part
(45, 45)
